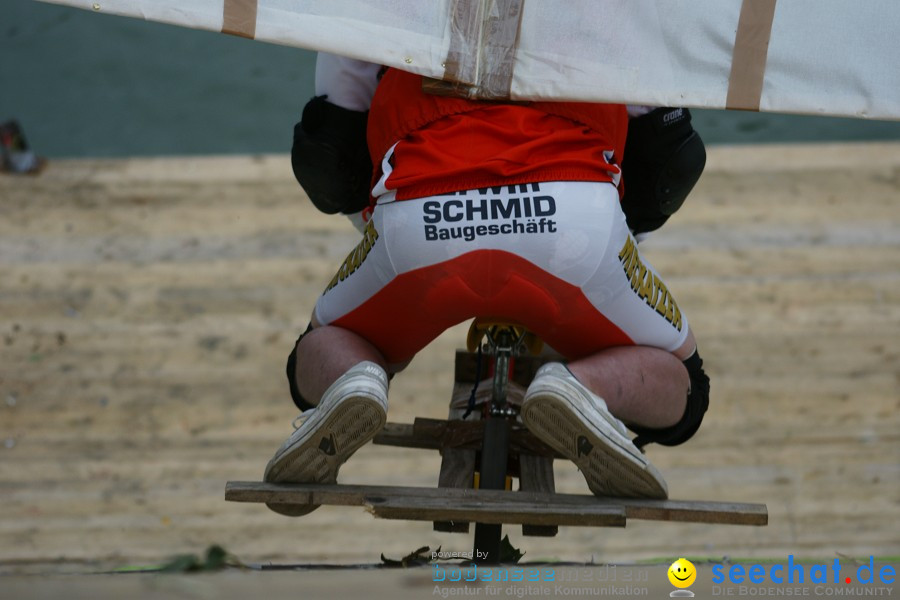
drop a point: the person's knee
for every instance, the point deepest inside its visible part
(695, 409)
(291, 367)
(291, 372)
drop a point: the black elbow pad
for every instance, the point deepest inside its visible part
(330, 157)
(664, 158)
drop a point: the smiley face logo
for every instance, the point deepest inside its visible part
(682, 573)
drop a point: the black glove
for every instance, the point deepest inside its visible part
(330, 157)
(664, 158)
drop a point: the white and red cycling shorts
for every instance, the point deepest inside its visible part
(556, 257)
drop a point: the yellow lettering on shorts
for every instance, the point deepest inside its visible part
(356, 256)
(647, 284)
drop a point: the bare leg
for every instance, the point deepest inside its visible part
(352, 414)
(326, 353)
(640, 384)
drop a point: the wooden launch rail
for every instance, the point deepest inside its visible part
(496, 506)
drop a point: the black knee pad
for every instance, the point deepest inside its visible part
(697, 403)
(664, 158)
(291, 370)
(330, 157)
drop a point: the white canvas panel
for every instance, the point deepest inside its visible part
(831, 57)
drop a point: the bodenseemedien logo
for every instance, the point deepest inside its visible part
(682, 573)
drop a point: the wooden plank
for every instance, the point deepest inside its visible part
(457, 464)
(415, 508)
(457, 469)
(691, 511)
(436, 434)
(433, 434)
(536, 475)
(401, 435)
(698, 511)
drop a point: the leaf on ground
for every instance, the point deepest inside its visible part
(182, 563)
(508, 552)
(217, 558)
(416, 558)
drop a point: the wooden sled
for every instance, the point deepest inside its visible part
(479, 460)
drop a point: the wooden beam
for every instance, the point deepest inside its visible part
(437, 434)
(457, 468)
(691, 511)
(536, 475)
(419, 508)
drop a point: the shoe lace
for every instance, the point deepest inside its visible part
(299, 419)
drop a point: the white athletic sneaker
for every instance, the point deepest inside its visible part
(352, 410)
(574, 421)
